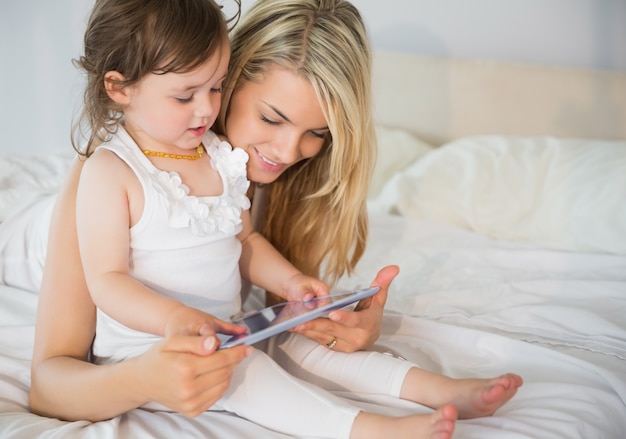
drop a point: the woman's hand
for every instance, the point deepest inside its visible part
(185, 372)
(353, 330)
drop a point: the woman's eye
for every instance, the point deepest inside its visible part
(216, 90)
(268, 121)
(319, 135)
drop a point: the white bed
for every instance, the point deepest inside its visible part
(500, 191)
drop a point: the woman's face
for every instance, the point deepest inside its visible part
(277, 121)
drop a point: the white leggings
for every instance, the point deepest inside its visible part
(364, 371)
(291, 395)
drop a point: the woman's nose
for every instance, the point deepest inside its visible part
(289, 152)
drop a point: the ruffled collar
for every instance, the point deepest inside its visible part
(208, 215)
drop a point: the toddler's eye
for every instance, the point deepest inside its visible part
(184, 100)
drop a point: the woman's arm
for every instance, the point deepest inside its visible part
(181, 372)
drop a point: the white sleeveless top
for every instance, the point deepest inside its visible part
(183, 246)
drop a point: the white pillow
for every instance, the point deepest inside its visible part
(23, 243)
(23, 178)
(397, 149)
(559, 193)
(28, 187)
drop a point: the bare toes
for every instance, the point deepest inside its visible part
(493, 394)
(510, 380)
(487, 396)
(444, 420)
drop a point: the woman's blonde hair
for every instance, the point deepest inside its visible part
(316, 215)
(135, 38)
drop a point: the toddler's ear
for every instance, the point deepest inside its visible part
(114, 88)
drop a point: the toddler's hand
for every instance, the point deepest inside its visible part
(301, 288)
(185, 320)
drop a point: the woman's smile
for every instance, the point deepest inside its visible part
(276, 130)
(267, 164)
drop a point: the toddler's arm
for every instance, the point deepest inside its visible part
(265, 267)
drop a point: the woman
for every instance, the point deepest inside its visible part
(298, 100)
(309, 131)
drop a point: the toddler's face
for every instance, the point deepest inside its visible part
(171, 112)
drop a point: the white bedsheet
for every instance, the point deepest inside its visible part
(477, 307)
(463, 305)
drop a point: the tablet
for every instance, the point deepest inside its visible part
(283, 316)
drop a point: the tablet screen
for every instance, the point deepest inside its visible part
(283, 316)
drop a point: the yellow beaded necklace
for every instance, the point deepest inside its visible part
(196, 156)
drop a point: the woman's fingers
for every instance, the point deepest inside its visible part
(349, 338)
(190, 344)
(383, 279)
(186, 373)
(213, 378)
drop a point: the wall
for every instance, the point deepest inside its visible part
(580, 33)
(577, 33)
(41, 90)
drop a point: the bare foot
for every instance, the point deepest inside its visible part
(437, 425)
(482, 397)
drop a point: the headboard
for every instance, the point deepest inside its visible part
(441, 99)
